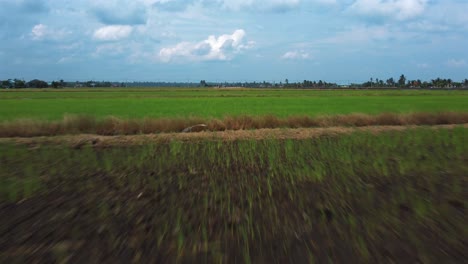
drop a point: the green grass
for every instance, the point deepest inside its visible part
(360, 197)
(205, 92)
(158, 103)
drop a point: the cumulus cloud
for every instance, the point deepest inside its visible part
(38, 31)
(296, 55)
(17, 17)
(456, 63)
(138, 31)
(446, 16)
(41, 31)
(399, 9)
(114, 32)
(223, 47)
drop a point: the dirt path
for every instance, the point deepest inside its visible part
(258, 134)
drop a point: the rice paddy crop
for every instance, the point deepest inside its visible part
(360, 197)
(219, 103)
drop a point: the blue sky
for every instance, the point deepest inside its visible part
(233, 40)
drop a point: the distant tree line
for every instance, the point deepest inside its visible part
(18, 84)
(162, 84)
(286, 84)
(401, 83)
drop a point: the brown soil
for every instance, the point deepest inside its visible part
(103, 216)
(229, 135)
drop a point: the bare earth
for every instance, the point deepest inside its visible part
(229, 135)
(229, 202)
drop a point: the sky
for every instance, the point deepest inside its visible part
(340, 41)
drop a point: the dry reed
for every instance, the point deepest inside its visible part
(71, 124)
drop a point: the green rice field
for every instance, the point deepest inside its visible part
(218, 103)
(272, 176)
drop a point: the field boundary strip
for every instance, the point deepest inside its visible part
(111, 126)
(231, 135)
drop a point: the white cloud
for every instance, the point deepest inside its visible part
(223, 47)
(399, 9)
(38, 31)
(456, 63)
(114, 32)
(449, 16)
(296, 55)
(41, 31)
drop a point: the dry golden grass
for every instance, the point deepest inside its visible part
(104, 141)
(116, 126)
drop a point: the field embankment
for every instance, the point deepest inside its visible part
(117, 126)
(393, 196)
(105, 141)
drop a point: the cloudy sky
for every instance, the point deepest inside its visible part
(233, 40)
